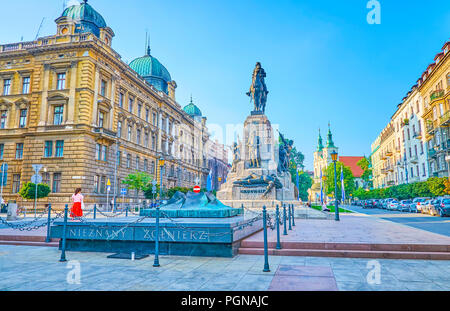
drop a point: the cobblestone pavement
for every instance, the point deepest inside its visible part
(38, 269)
(355, 228)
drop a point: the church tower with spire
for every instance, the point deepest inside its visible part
(322, 157)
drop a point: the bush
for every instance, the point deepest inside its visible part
(433, 187)
(28, 191)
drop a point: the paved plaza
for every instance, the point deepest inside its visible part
(38, 269)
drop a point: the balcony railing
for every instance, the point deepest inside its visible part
(445, 119)
(437, 94)
(430, 127)
(431, 153)
(414, 159)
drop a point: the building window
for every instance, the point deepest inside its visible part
(19, 151)
(61, 81)
(48, 149)
(96, 179)
(103, 184)
(147, 114)
(46, 178)
(3, 119)
(130, 105)
(121, 100)
(128, 160)
(56, 183)
(6, 86)
(139, 109)
(98, 152)
(101, 118)
(119, 128)
(138, 136)
(23, 118)
(423, 169)
(145, 165)
(137, 163)
(2, 147)
(59, 149)
(26, 85)
(129, 132)
(103, 88)
(146, 140)
(119, 158)
(58, 112)
(104, 153)
(154, 119)
(153, 142)
(16, 183)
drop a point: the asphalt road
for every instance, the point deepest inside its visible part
(421, 221)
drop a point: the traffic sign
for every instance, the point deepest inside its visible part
(154, 182)
(197, 189)
(36, 179)
(37, 167)
(108, 188)
(123, 191)
(108, 183)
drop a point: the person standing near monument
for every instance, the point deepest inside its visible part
(77, 200)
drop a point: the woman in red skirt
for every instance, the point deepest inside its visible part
(77, 200)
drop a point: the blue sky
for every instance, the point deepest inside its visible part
(323, 61)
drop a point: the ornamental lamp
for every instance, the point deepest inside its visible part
(334, 156)
(161, 162)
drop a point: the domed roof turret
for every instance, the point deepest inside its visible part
(86, 18)
(152, 71)
(192, 109)
(85, 12)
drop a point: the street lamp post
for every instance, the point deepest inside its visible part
(161, 165)
(334, 156)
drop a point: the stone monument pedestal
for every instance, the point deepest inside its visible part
(256, 179)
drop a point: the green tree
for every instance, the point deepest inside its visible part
(437, 186)
(349, 180)
(28, 191)
(364, 164)
(138, 181)
(304, 183)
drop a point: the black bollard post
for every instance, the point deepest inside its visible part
(47, 240)
(284, 220)
(156, 262)
(266, 251)
(63, 242)
(126, 210)
(290, 217)
(293, 215)
(278, 227)
(95, 211)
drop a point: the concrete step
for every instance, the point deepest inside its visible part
(348, 253)
(29, 238)
(351, 246)
(30, 243)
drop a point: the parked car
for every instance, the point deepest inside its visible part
(368, 204)
(427, 206)
(392, 205)
(375, 203)
(386, 202)
(416, 204)
(443, 208)
(404, 205)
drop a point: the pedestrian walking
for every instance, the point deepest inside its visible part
(77, 200)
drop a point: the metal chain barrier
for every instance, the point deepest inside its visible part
(27, 226)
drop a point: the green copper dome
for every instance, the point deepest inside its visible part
(85, 12)
(152, 71)
(319, 143)
(192, 110)
(330, 143)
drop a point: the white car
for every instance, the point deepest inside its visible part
(393, 205)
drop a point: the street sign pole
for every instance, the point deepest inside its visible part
(108, 189)
(36, 181)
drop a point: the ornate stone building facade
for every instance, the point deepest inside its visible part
(69, 102)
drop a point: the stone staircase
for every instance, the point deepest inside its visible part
(350, 250)
(27, 240)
